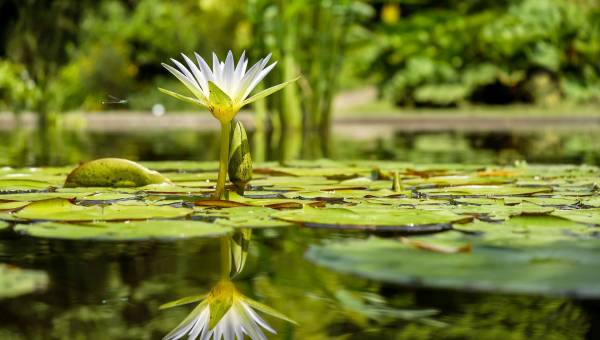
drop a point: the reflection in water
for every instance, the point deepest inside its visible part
(225, 312)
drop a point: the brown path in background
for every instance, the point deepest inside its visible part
(365, 126)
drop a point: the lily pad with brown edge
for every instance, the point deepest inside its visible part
(15, 281)
(163, 230)
(59, 209)
(376, 219)
(557, 268)
(113, 172)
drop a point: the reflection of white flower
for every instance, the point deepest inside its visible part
(225, 88)
(227, 314)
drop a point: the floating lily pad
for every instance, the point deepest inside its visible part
(59, 209)
(556, 268)
(530, 230)
(15, 281)
(589, 216)
(400, 219)
(4, 206)
(112, 172)
(23, 185)
(129, 231)
(501, 211)
(485, 190)
(3, 225)
(246, 217)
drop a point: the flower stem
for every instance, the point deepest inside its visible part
(223, 160)
(225, 257)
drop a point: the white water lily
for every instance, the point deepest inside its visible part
(224, 313)
(224, 88)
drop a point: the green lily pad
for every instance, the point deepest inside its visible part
(112, 172)
(12, 205)
(589, 216)
(59, 209)
(485, 190)
(400, 219)
(530, 230)
(246, 217)
(556, 268)
(23, 185)
(15, 281)
(501, 211)
(3, 225)
(128, 231)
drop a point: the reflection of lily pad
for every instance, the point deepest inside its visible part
(59, 209)
(401, 219)
(556, 268)
(128, 231)
(15, 281)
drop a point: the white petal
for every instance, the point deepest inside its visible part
(247, 79)
(252, 329)
(201, 324)
(228, 70)
(199, 76)
(240, 68)
(208, 74)
(257, 79)
(185, 71)
(194, 88)
(257, 318)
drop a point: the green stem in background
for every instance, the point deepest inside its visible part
(223, 160)
(259, 138)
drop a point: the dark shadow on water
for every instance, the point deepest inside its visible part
(103, 290)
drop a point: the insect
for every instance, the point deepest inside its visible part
(113, 100)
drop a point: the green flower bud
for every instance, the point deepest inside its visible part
(396, 186)
(240, 162)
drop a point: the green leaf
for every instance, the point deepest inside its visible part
(183, 301)
(588, 216)
(400, 219)
(183, 98)
(59, 209)
(218, 308)
(564, 268)
(3, 225)
(268, 310)
(217, 96)
(129, 231)
(264, 93)
(113, 172)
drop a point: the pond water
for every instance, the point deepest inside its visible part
(545, 146)
(113, 290)
(333, 247)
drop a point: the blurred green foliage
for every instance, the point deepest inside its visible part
(421, 52)
(444, 53)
